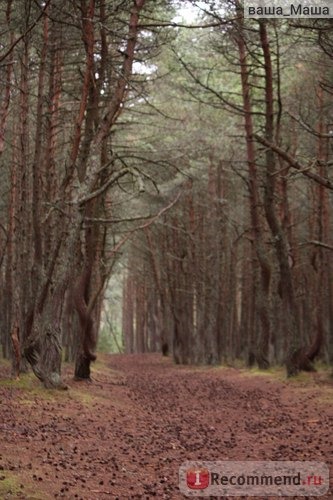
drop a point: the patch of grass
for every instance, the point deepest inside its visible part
(99, 363)
(9, 485)
(102, 370)
(82, 396)
(323, 367)
(276, 373)
(218, 368)
(28, 388)
(5, 362)
(326, 397)
(321, 376)
(25, 382)
(273, 370)
(17, 486)
(102, 367)
(102, 363)
(301, 378)
(279, 373)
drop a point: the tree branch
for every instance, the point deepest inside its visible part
(294, 163)
(146, 224)
(319, 244)
(31, 27)
(103, 188)
(116, 221)
(309, 129)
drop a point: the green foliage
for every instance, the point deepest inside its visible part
(104, 341)
(107, 342)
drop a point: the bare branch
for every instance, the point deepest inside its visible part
(102, 189)
(146, 224)
(307, 127)
(207, 87)
(294, 163)
(166, 24)
(31, 27)
(319, 244)
(116, 221)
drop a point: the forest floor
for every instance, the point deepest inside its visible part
(125, 434)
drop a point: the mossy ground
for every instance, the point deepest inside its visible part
(19, 485)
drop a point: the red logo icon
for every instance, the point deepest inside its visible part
(197, 479)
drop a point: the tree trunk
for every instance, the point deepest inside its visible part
(294, 360)
(87, 335)
(42, 348)
(263, 289)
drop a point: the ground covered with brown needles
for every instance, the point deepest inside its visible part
(125, 434)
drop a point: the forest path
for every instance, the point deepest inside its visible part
(126, 434)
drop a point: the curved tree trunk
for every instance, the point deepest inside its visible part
(43, 352)
(42, 348)
(295, 359)
(88, 339)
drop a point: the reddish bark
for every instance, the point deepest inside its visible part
(258, 240)
(116, 103)
(88, 39)
(322, 232)
(4, 107)
(16, 345)
(297, 359)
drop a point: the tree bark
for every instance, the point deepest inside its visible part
(294, 360)
(263, 291)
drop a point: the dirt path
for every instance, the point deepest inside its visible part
(125, 435)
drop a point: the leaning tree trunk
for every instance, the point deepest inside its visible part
(43, 352)
(88, 337)
(43, 333)
(42, 348)
(263, 289)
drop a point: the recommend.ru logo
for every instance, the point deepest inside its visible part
(254, 478)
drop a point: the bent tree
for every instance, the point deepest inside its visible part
(68, 68)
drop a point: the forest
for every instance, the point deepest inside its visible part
(165, 248)
(186, 163)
